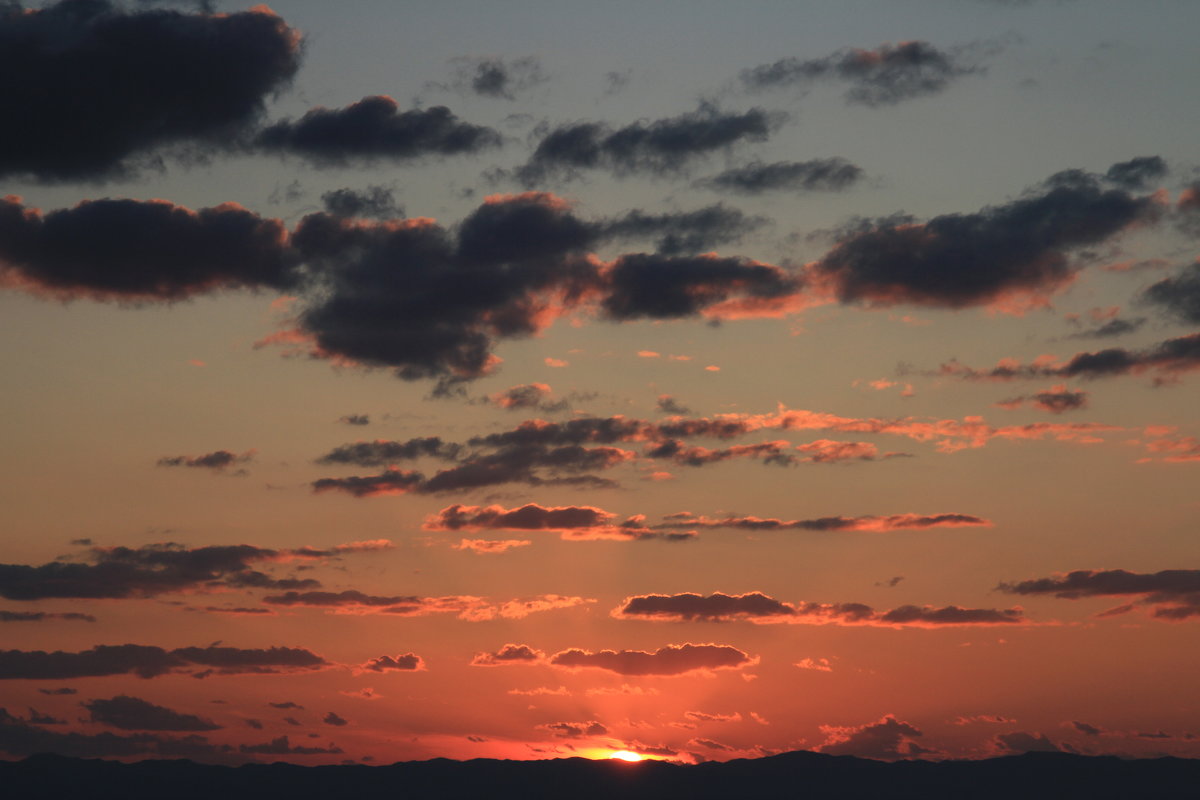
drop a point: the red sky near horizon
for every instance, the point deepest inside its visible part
(399, 383)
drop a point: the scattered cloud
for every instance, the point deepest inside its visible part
(669, 660)
(889, 74)
(1173, 594)
(372, 129)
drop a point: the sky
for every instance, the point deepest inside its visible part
(391, 381)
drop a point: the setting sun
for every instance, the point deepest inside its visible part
(625, 755)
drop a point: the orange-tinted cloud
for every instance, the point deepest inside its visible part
(406, 662)
(885, 740)
(509, 654)
(878, 524)
(1173, 594)
(669, 660)
(759, 608)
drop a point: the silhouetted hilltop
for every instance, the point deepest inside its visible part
(791, 775)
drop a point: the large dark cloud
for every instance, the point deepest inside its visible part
(668, 660)
(657, 147)
(374, 128)
(817, 175)
(641, 286)
(408, 295)
(575, 523)
(886, 75)
(757, 607)
(886, 739)
(532, 465)
(142, 250)
(147, 661)
(1168, 358)
(150, 570)
(135, 714)
(1174, 594)
(19, 738)
(42, 616)
(99, 85)
(382, 452)
(1178, 295)
(1018, 249)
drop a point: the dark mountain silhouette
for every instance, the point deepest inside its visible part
(803, 775)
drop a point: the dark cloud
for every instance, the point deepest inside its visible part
(1179, 296)
(1137, 173)
(891, 522)
(1024, 742)
(282, 747)
(887, 739)
(642, 286)
(496, 77)
(355, 419)
(817, 175)
(391, 481)
(381, 452)
(285, 704)
(38, 718)
(1055, 400)
(141, 250)
(669, 660)
(63, 690)
(333, 719)
(528, 517)
(374, 202)
(374, 128)
(101, 86)
(1113, 327)
(1001, 254)
(886, 75)
(574, 730)
(147, 661)
(134, 714)
(19, 738)
(509, 654)
(407, 662)
(218, 461)
(669, 405)
(714, 607)
(534, 465)
(41, 616)
(527, 396)
(658, 147)
(1174, 594)
(683, 232)
(147, 571)
(515, 264)
(757, 607)
(574, 523)
(1086, 729)
(1169, 358)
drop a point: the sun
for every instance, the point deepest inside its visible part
(625, 755)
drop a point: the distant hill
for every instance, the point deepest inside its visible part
(801, 775)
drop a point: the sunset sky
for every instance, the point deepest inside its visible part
(705, 380)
